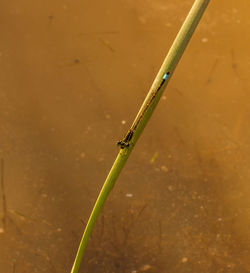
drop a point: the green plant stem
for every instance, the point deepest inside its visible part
(169, 64)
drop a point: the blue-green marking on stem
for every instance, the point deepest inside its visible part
(166, 75)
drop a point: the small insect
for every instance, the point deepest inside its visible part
(125, 142)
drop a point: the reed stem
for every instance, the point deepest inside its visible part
(143, 116)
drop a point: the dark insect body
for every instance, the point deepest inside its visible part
(125, 142)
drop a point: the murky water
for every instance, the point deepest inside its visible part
(72, 77)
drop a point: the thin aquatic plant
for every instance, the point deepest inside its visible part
(128, 142)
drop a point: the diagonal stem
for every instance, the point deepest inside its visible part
(143, 116)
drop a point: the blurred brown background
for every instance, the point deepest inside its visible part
(73, 75)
